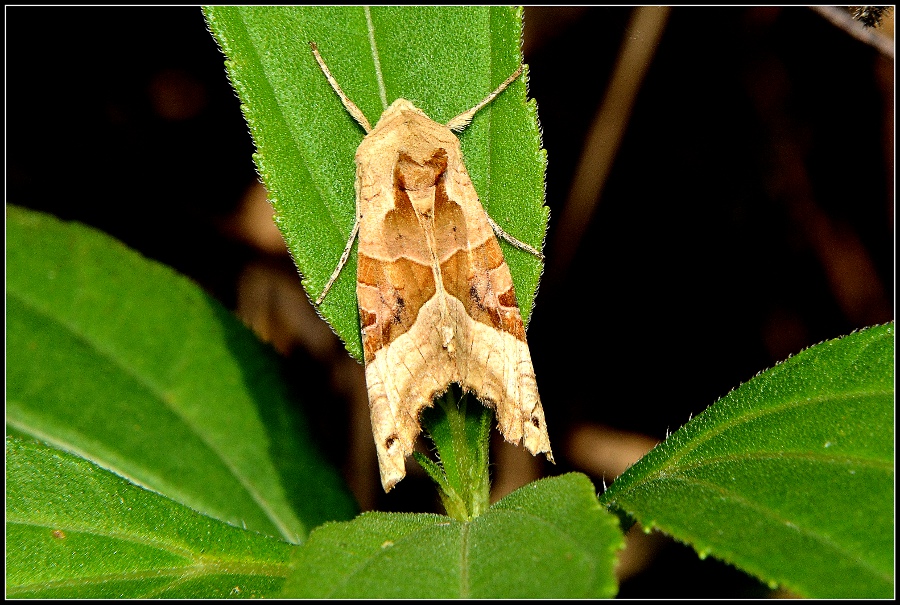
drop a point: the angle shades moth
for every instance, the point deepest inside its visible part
(435, 295)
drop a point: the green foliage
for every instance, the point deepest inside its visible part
(134, 367)
(790, 476)
(152, 450)
(121, 361)
(443, 59)
(549, 539)
(461, 429)
(75, 530)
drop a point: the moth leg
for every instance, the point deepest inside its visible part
(463, 119)
(520, 245)
(341, 262)
(351, 107)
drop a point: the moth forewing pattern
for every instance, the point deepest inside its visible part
(436, 298)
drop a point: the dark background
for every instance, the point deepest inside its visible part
(749, 212)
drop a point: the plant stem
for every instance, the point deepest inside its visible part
(460, 428)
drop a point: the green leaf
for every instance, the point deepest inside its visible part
(122, 361)
(75, 530)
(443, 59)
(789, 477)
(549, 539)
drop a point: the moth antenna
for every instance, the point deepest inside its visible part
(463, 119)
(350, 106)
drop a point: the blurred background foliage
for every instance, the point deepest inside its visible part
(721, 188)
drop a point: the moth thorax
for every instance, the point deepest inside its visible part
(413, 175)
(420, 179)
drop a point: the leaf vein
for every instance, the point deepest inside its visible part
(157, 391)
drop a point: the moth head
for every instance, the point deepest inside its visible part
(402, 105)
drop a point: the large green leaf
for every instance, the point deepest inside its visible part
(790, 476)
(122, 361)
(549, 539)
(75, 530)
(443, 59)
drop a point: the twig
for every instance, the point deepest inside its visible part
(843, 20)
(602, 143)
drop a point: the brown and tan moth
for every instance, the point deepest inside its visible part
(436, 299)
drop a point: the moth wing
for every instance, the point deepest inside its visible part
(406, 362)
(420, 335)
(492, 354)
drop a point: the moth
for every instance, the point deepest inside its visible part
(436, 299)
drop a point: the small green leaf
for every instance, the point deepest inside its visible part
(549, 539)
(443, 59)
(122, 361)
(461, 429)
(790, 476)
(75, 530)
